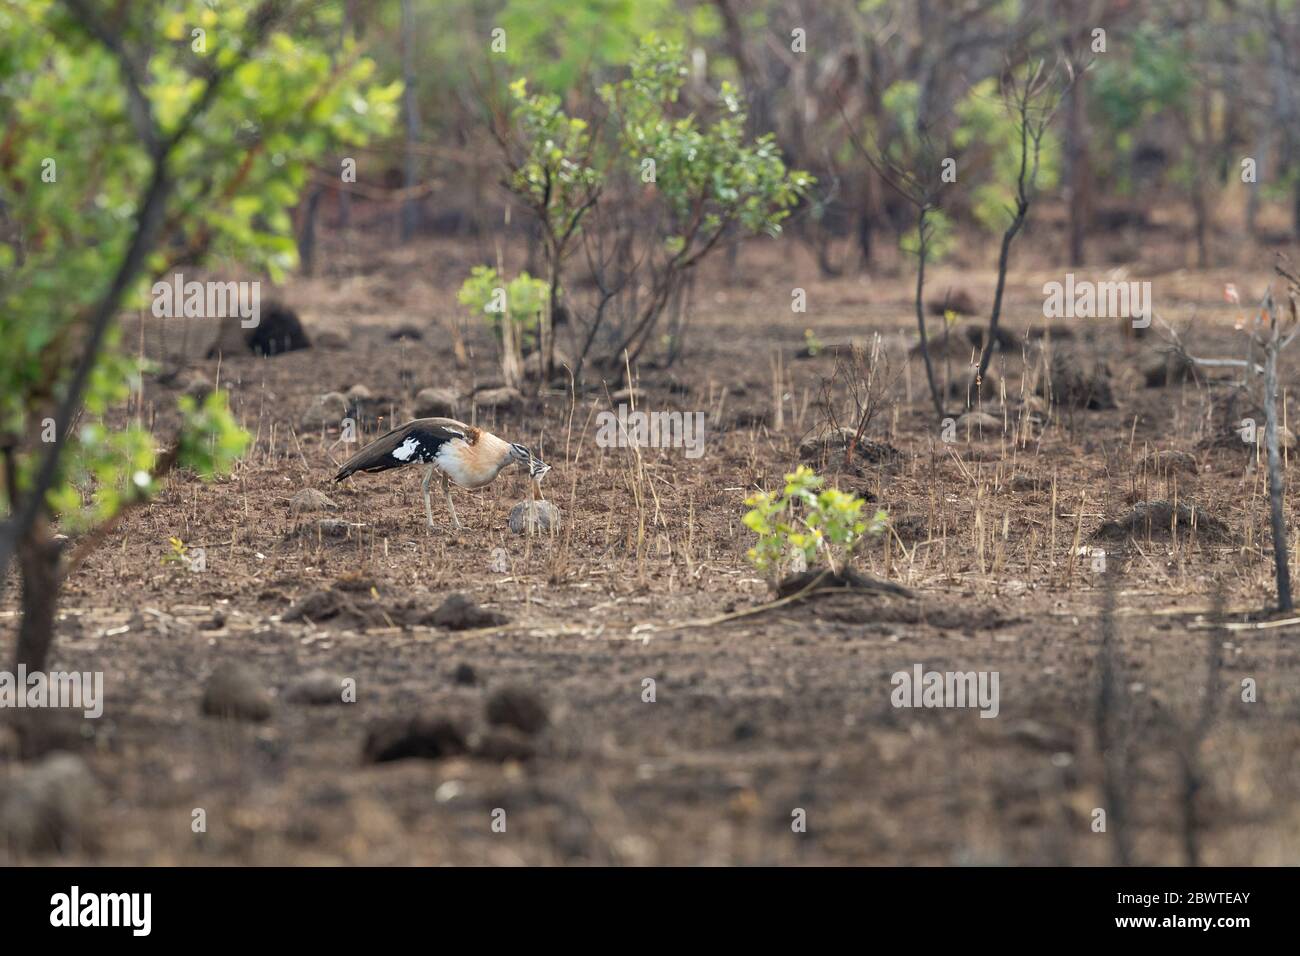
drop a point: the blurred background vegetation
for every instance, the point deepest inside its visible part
(1167, 106)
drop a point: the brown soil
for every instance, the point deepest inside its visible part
(755, 716)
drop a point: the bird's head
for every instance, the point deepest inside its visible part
(537, 468)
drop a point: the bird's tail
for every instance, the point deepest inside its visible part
(354, 463)
(374, 457)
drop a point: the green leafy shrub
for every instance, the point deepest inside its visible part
(179, 553)
(129, 154)
(520, 302)
(812, 344)
(708, 173)
(290, 102)
(554, 176)
(810, 520)
(685, 181)
(708, 176)
(550, 159)
(211, 440)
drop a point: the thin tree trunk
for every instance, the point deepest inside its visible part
(1079, 169)
(1004, 259)
(1275, 478)
(1200, 197)
(922, 250)
(410, 210)
(864, 241)
(546, 346)
(38, 562)
(307, 235)
(1263, 149)
(1200, 213)
(345, 209)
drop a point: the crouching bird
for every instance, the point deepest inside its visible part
(469, 456)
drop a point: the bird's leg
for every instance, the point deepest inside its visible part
(424, 486)
(446, 490)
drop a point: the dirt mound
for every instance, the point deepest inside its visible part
(325, 530)
(961, 387)
(326, 410)
(1160, 369)
(1004, 340)
(339, 608)
(1157, 519)
(309, 499)
(826, 446)
(517, 707)
(958, 348)
(51, 806)
(497, 399)
(875, 608)
(355, 581)
(348, 604)
(849, 580)
(318, 688)
(436, 403)
(748, 418)
(236, 693)
(956, 300)
(37, 733)
(1170, 461)
(465, 675)
(967, 342)
(460, 613)
(367, 410)
(911, 528)
(1057, 331)
(278, 331)
(1236, 421)
(428, 738)
(406, 331)
(1078, 381)
(318, 606)
(977, 424)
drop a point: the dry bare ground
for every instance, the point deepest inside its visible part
(755, 716)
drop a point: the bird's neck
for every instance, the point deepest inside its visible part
(492, 451)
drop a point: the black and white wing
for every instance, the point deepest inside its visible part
(416, 441)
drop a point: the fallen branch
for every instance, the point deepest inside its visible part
(813, 588)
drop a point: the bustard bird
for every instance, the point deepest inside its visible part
(469, 456)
